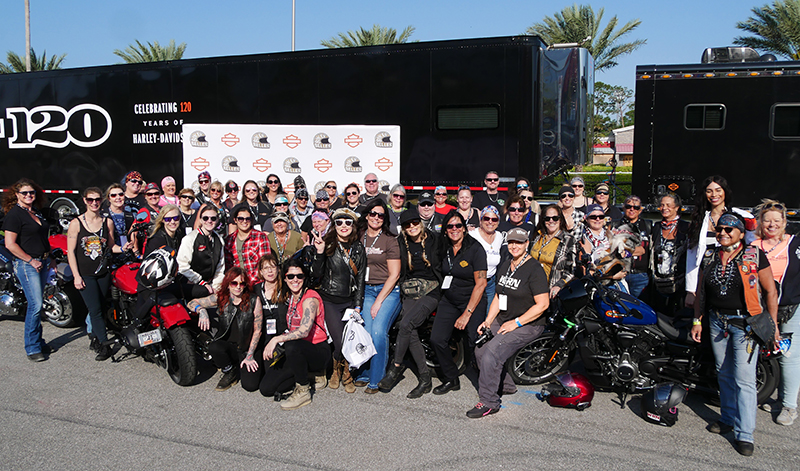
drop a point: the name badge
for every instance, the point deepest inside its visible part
(446, 282)
(272, 327)
(503, 300)
(257, 227)
(188, 230)
(366, 275)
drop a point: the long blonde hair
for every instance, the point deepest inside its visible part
(159, 222)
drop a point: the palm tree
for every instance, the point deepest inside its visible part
(152, 52)
(775, 29)
(16, 63)
(376, 36)
(580, 24)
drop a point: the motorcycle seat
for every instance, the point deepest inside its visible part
(676, 329)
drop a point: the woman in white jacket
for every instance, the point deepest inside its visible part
(201, 256)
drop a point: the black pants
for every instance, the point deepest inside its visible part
(301, 357)
(224, 353)
(443, 324)
(94, 296)
(414, 314)
(333, 320)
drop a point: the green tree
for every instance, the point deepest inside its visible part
(775, 29)
(613, 101)
(152, 52)
(376, 36)
(16, 63)
(580, 24)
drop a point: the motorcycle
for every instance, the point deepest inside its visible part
(458, 346)
(624, 345)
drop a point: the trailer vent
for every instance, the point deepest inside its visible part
(468, 117)
(715, 55)
(785, 121)
(704, 117)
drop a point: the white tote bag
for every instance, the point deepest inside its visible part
(357, 346)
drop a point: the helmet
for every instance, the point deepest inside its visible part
(571, 390)
(660, 404)
(158, 269)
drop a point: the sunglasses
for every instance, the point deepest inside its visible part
(272, 182)
(778, 206)
(370, 181)
(527, 198)
(516, 210)
(600, 192)
(425, 204)
(203, 182)
(209, 218)
(566, 195)
(214, 190)
(487, 219)
(232, 190)
(153, 193)
(399, 196)
(330, 187)
(727, 229)
(136, 182)
(521, 186)
(410, 223)
(190, 197)
(281, 204)
(93, 200)
(352, 193)
(376, 214)
(244, 219)
(492, 179)
(344, 222)
(630, 206)
(440, 194)
(118, 195)
(550, 218)
(292, 276)
(251, 190)
(237, 284)
(595, 217)
(325, 198)
(172, 218)
(27, 193)
(455, 226)
(301, 198)
(577, 186)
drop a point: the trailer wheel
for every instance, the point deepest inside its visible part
(64, 210)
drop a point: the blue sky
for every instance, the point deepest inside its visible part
(677, 31)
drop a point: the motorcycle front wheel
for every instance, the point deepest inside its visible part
(181, 361)
(63, 307)
(768, 372)
(531, 364)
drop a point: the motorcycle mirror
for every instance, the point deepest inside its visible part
(635, 313)
(57, 253)
(141, 216)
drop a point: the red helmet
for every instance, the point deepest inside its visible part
(571, 390)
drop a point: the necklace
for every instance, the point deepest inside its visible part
(773, 247)
(496, 195)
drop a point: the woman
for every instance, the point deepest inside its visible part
(340, 263)
(88, 237)
(233, 346)
(729, 294)
(186, 198)
(463, 303)
(115, 211)
(26, 233)
(515, 215)
(440, 198)
(168, 185)
(381, 293)
(601, 197)
(151, 196)
(215, 198)
(532, 207)
(668, 258)
(272, 190)
(351, 194)
(555, 249)
(782, 252)
(397, 204)
(165, 230)
(232, 191)
(201, 256)
(304, 344)
(420, 291)
(470, 214)
(520, 183)
(515, 318)
(283, 241)
(252, 201)
(596, 238)
(581, 200)
(492, 242)
(335, 202)
(712, 201)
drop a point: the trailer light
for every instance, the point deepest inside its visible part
(688, 75)
(753, 74)
(709, 75)
(777, 72)
(666, 76)
(731, 74)
(645, 76)
(791, 213)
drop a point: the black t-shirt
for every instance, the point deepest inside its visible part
(613, 214)
(133, 205)
(506, 226)
(725, 290)
(271, 311)
(482, 199)
(462, 267)
(420, 269)
(434, 224)
(31, 237)
(520, 286)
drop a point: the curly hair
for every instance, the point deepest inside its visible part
(224, 296)
(10, 196)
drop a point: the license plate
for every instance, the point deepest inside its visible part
(149, 338)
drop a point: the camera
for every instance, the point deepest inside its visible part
(486, 335)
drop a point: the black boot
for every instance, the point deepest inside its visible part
(447, 386)
(94, 344)
(103, 352)
(392, 378)
(424, 386)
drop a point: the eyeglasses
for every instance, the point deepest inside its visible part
(410, 223)
(727, 229)
(488, 219)
(550, 218)
(281, 204)
(352, 193)
(203, 182)
(492, 179)
(778, 206)
(577, 186)
(251, 190)
(302, 198)
(118, 195)
(399, 196)
(136, 182)
(324, 198)
(272, 182)
(172, 218)
(370, 181)
(330, 187)
(595, 217)
(566, 195)
(630, 206)
(292, 276)
(232, 190)
(344, 222)
(528, 198)
(244, 219)
(600, 192)
(93, 200)
(236, 283)
(455, 226)
(182, 196)
(214, 190)
(514, 209)
(440, 194)
(376, 214)
(209, 218)
(153, 193)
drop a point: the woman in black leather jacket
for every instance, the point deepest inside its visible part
(340, 263)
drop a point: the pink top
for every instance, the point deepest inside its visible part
(778, 257)
(165, 200)
(295, 315)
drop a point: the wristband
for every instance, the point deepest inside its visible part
(696, 321)
(519, 324)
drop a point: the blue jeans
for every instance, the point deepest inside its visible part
(790, 365)
(637, 282)
(490, 290)
(378, 328)
(32, 283)
(736, 373)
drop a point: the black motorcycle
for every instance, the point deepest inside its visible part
(624, 345)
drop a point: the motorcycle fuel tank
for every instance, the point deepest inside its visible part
(124, 278)
(634, 312)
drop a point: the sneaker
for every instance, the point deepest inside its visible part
(320, 382)
(228, 379)
(787, 416)
(481, 410)
(720, 428)
(745, 448)
(37, 357)
(299, 398)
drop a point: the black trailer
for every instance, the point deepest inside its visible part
(740, 120)
(509, 104)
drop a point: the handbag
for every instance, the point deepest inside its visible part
(416, 288)
(762, 328)
(785, 313)
(357, 346)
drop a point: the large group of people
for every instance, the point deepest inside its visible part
(282, 271)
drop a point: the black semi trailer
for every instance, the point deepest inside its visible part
(464, 107)
(739, 119)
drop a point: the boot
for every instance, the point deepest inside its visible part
(424, 386)
(229, 378)
(299, 398)
(347, 379)
(103, 352)
(336, 375)
(320, 380)
(392, 378)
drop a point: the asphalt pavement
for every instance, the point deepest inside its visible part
(72, 412)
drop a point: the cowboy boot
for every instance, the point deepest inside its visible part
(347, 379)
(336, 375)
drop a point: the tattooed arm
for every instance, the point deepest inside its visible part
(310, 311)
(248, 362)
(199, 306)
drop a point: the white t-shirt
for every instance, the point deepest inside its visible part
(492, 250)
